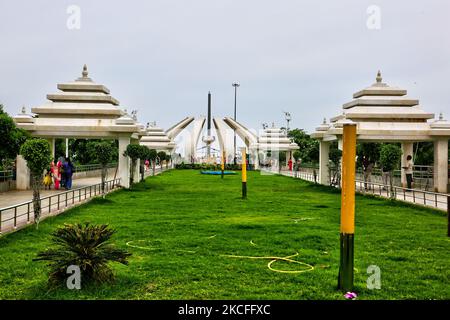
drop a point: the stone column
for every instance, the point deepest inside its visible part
(440, 165)
(137, 175)
(324, 150)
(22, 174)
(124, 163)
(407, 149)
(51, 141)
(256, 160)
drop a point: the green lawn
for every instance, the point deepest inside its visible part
(181, 225)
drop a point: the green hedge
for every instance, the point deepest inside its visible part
(206, 166)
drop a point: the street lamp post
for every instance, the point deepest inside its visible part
(235, 85)
(288, 118)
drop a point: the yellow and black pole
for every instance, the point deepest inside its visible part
(244, 172)
(346, 275)
(222, 165)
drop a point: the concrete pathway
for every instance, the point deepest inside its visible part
(14, 216)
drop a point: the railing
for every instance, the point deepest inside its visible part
(22, 214)
(416, 196)
(92, 167)
(6, 175)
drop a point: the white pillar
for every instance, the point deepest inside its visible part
(51, 141)
(407, 150)
(324, 158)
(136, 175)
(441, 165)
(22, 174)
(67, 147)
(124, 163)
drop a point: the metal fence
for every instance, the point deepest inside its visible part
(22, 214)
(92, 167)
(6, 175)
(416, 196)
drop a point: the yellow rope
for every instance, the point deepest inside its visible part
(274, 259)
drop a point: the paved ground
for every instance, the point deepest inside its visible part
(53, 201)
(420, 197)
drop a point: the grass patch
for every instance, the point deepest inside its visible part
(180, 226)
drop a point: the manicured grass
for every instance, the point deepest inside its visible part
(184, 224)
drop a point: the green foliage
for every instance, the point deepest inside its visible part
(11, 137)
(134, 151)
(161, 156)
(335, 154)
(309, 147)
(390, 155)
(37, 154)
(195, 219)
(104, 152)
(151, 154)
(424, 154)
(371, 150)
(207, 166)
(297, 155)
(83, 151)
(85, 246)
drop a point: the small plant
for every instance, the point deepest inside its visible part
(38, 156)
(104, 152)
(390, 155)
(85, 246)
(134, 151)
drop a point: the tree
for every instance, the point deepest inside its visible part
(104, 152)
(85, 246)
(38, 156)
(390, 155)
(161, 157)
(11, 137)
(371, 150)
(152, 155)
(297, 155)
(134, 151)
(335, 156)
(309, 147)
(168, 159)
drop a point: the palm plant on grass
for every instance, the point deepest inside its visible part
(86, 246)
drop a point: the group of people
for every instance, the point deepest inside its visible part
(59, 174)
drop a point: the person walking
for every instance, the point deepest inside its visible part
(48, 179)
(367, 172)
(290, 165)
(55, 168)
(409, 171)
(297, 168)
(68, 171)
(385, 175)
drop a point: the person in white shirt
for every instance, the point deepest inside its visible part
(409, 171)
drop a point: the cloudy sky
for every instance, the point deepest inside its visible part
(161, 57)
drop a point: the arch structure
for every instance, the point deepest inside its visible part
(82, 109)
(386, 114)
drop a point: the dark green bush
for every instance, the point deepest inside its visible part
(85, 246)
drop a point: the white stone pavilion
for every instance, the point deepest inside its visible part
(82, 109)
(156, 138)
(386, 114)
(275, 139)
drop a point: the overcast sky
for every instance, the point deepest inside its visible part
(162, 57)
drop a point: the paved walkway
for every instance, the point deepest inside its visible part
(14, 197)
(420, 197)
(53, 201)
